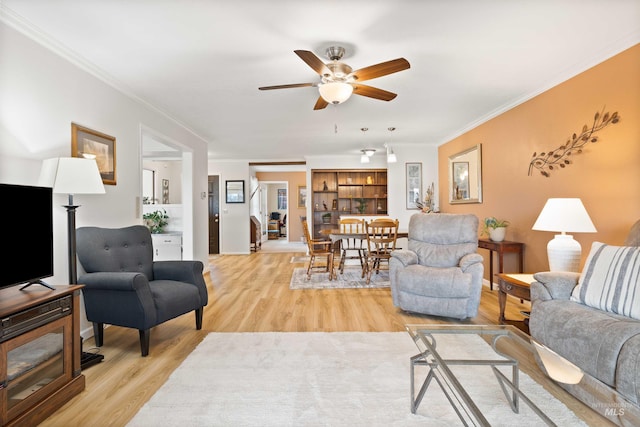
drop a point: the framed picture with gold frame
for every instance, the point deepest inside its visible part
(90, 144)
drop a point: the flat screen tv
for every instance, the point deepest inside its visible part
(27, 212)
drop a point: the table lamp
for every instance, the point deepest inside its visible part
(564, 215)
(71, 175)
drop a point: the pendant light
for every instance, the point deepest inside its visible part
(366, 152)
(391, 156)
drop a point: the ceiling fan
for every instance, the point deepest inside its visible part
(338, 80)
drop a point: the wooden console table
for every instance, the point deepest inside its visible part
(502, 248)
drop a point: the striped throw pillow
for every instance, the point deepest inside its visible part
(610, 280)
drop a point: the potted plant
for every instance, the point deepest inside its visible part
(362, 205)
(156, 220)
(495, 228)
(326, 218)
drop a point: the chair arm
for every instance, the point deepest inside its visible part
(553, 285)
(405, 256)
(114, 281)
(119, 298)
(469, 260)
(328, 244)
(187, 271)
(321, 242)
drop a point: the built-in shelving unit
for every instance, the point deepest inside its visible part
(338, 192)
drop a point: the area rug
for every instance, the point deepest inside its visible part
(351, 278)
(327, 379)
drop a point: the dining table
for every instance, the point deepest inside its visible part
(336, 235)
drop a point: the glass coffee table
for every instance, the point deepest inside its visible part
(507, 343)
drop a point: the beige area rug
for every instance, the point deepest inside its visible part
(351, 278)
(328, 379)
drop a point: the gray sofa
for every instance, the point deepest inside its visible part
(440, 272)
(605, 345)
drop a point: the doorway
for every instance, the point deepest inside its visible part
(274, 209)
(166, 169)
(214, 214)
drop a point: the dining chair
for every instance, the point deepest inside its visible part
(381, 235)
(352, 247)
(318, 249)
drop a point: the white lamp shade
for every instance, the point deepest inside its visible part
(364, 158)
(335, 92)
(564, 215)
(71, 175)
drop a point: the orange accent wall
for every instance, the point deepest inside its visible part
(295, 179)
(606, 175)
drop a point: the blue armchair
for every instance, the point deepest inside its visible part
(125, 287)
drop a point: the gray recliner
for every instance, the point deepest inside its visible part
(440, 273)
(123, 286)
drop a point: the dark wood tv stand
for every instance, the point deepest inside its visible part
(46, 320)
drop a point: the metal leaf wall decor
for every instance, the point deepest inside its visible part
(559, 158)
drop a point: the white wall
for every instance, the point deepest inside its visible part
(41, 94)
(170, 170)
(234, 217)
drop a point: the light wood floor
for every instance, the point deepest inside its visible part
(247, 293)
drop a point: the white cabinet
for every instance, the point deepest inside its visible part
(167, 247)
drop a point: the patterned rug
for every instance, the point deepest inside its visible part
(351, 278)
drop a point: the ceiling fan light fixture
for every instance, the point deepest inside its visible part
(335, 92)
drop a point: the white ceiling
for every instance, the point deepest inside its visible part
(202, 62)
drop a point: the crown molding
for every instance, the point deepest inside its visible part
(25, 27)
(597, 58)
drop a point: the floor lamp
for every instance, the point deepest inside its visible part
(71, 175)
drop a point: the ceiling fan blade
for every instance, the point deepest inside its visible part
(381, 69)
(314, 62)
(373, 92)
(288, 86)
(320, 104)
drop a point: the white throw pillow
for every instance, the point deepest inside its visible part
(610, 280)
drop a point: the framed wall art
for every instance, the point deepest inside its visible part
(165, 191)
(234, 190)
(302, 196)
(90, 144)
(414, 184)
(282, 198)
(460, 180)
(465, 176)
